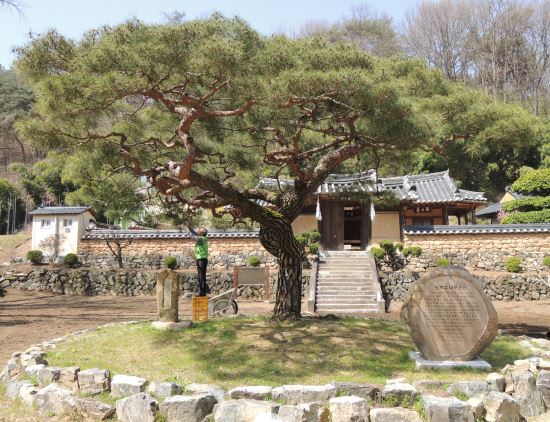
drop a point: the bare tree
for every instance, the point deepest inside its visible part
(116, 245)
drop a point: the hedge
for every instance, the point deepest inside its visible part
(527, 204)
(542, 216)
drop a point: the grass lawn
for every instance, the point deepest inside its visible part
(258, 351)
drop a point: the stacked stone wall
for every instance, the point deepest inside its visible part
(84, 281)
(149, 253)
(481, 251)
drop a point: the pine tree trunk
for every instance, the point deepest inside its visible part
(278, 239)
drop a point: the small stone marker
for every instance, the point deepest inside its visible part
(167, 296)
(449, 316)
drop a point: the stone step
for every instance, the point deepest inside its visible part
(344, 267)
(349, 310)
(346, 302)
(343, 273)
(347, 284)
(325, 295)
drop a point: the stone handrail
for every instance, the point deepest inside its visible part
(312, 287)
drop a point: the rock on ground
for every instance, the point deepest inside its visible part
(47, 375)
(53, 399)
(304, 412)
(214, 390)
(364, 390)
(495, 382)
(401, 392)
(243, 410)
(530, 399)
(140, 407)
(94, 381)
(394, 414)
(349, 408)
(13, 387)
(543, 385)
(469, 388)
(164, 389)
(94, 409)
(447, 409)
(68, 377)
(27, 394)
(127, 385)
(256, 392)
(294, 394)
(187, 408)
(500, 407)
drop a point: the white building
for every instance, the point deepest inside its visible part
(59, 228)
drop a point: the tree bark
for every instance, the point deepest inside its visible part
(278, 239)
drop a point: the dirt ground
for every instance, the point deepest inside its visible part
(28, 317)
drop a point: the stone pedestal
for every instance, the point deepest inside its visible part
(421, 363)
(167, 296)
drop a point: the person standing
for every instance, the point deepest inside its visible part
(201, 255)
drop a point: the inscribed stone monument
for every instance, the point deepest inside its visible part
(449, 316)
(167, 296)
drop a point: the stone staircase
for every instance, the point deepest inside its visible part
(347, 283)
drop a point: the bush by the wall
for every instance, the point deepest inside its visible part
(314, 236)
(513, 264)
(254, 261)
(416, 251)
(546, 261)
(71, 260)
(35, 256)
(442, 262)
(171, 262)
(302, 240)
(378, 253)
(399, 246)
(313, 248)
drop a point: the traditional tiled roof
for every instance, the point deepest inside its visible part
(478, 228)
(490, 210)
(429, 188)
(165, 234)
(59, 210)
(419, 189)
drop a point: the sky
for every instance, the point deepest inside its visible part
(73, 17)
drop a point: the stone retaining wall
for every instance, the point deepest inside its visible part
(506, 286)
(85, 281)
(149, 253)
(481, 251)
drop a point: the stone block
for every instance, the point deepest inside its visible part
(256, 392)
(349, 408)
(304, 412)
(446, 409)
(94, 409)
(164, 389)
(543, 385)
(55, 400)
(501, 407)
(13, 387)
(394, 414)
(364, 390)
(94, 381)
(27, 394)
(529, 398)
(140, 407)
(476, 407)
(496, 382)
(217, 392)
(11, 370)
(47, 375)
(243, 410)
(295, 394)
(400, 393)
(68, 377)
(468, 388)
(127, 385)
(187, 408)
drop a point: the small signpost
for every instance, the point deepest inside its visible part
(244, 276)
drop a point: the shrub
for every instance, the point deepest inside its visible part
(406, 252)
(313, 248)
(416, 251)
(513, 264)
(399, 246)
(254, 261)
(71, 260)
(306, 235)
(529, 217)
(378, 253)
(302, 240)
(442, 262)
(171, 262)
(388, 247)
(35, 256)
(314, 236)
(546, 261)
